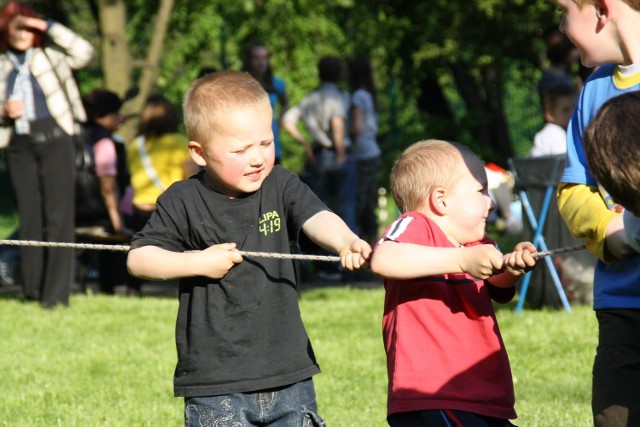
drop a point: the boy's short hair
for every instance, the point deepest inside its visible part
(634, 4)
(551, 95)
(612, 150)
(218, 93)
(422, 167)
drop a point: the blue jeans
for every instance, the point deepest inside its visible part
(289, 406)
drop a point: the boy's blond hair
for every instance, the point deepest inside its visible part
(218, 93)
(422, 167)
(634, 4)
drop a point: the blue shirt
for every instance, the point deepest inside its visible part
(274, 98)
(615, 285)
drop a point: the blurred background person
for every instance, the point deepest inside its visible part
(99, 198)
(558, 103)
(42, 108)
(100, 205)
(330, 169)
(256, 62)
(157, 157)
(365, 150)
(563, 64)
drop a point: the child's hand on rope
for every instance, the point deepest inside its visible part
(616, 244)
(217, 260)
(356, 255)
(481, 261)
(521, 260)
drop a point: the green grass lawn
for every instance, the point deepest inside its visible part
(108, 361)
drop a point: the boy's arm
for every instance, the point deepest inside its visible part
(154, 263)
(110, 197)
(290, 121)
(330, 232)
(586, 214)
(396, 260)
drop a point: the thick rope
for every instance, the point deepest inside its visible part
(124, 248)
(559, 251)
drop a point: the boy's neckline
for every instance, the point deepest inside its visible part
(626, 76)
(214, 186)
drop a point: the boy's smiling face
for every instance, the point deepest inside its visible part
(240, 153)
(469, 203)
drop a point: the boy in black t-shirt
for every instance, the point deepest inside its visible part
(241, 342)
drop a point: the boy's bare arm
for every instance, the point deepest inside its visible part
(154, 263)
(330, 232)
(395, 260)
(515, 264)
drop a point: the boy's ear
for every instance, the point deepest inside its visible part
(602, 10)
(197, 153)
(438, 201)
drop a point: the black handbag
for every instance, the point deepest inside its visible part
(90, 208)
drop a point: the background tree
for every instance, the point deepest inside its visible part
(457, 69)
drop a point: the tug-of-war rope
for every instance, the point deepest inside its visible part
(327, 258)
(124, 248)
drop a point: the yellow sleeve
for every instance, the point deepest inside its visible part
(585, 213)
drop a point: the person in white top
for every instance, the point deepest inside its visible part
(558, 103)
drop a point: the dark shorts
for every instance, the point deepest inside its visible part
(616, 371)
(444, 418)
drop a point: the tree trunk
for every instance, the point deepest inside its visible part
(476, 107)
(494, 87)
(149, 69)
(115, 56)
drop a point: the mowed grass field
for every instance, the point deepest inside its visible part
(109, 360)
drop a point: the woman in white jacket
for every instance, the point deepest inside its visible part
(41, 103)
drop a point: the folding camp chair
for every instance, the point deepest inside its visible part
(540, 173)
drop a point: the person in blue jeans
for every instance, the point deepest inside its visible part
(330, 170)
(363, 127)
(330, 167)
(244, 357)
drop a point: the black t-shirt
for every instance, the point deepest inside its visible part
(242, 332)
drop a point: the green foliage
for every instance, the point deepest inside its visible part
(409, 43)
(110, 360)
